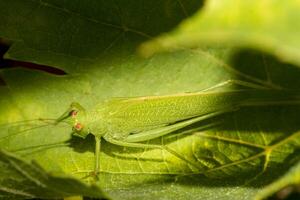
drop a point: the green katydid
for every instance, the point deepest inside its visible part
(131, 121)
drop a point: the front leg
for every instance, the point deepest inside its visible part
(97, 154)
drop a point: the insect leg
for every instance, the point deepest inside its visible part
(97, 157)
(97, 154)
(150, 146)
(158, 132)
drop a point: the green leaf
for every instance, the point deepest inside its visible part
(270, 26)
(291, 178)
(21, 180)
(95, 45)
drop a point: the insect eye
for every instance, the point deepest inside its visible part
(78, 126)
(73, 113)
